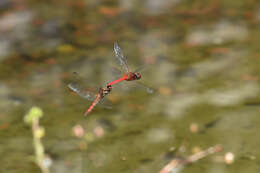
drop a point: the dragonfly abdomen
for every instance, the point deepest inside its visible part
(95, 102)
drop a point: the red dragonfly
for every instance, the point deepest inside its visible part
(88, 93)
(129, 75)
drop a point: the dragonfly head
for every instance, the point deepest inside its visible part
(109, 87)
(137, 75)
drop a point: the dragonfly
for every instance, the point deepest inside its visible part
(128, 75)
(88, 93)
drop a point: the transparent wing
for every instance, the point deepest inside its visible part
(136, 85)
(105, 103)
(141, 68)
(81, 89)
(116, 72)
(148, 89)
(120, 57)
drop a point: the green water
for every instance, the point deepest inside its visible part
(202, 58)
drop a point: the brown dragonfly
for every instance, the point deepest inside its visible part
(96, 97)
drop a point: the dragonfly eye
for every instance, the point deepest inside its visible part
(109, 87)
(138, 76)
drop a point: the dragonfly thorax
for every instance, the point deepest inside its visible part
(104, 91)
(137, 75)
(133, 76)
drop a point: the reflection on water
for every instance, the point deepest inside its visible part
(201, 58)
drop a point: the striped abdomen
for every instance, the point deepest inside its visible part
(95, 102)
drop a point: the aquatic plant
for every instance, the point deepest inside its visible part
(32, 118)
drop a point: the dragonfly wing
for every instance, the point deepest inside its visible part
(78, 86)
(105, 103)
(116, 72)
(148, 89)
(141, 68)
(81, 91)
(120, 57)
(129, 85)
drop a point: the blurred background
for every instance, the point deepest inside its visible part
(202, 58)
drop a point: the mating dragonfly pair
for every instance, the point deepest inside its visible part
(97, 98)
